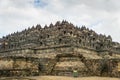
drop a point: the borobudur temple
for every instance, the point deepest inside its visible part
(59, 49)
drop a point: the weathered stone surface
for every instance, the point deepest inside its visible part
(59, 50)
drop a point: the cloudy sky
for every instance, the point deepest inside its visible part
(103, 16)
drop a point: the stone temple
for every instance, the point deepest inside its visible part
(59, 49)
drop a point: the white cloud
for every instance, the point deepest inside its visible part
(99, 15)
